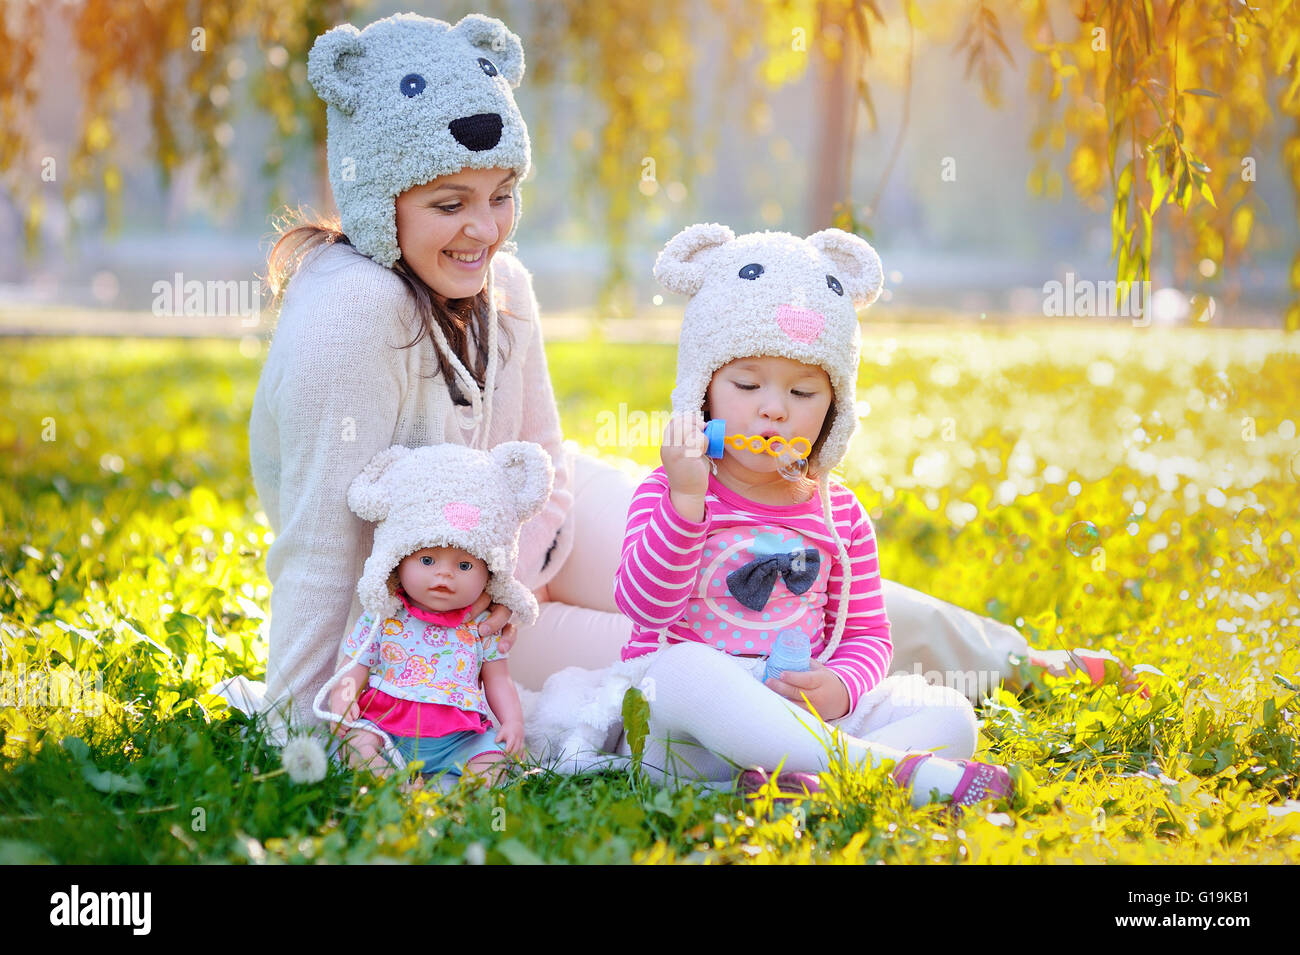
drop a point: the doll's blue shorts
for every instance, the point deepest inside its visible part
(448, 753)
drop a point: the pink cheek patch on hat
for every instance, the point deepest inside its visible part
(801, 324)
(463, 517)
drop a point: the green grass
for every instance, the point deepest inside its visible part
(133, 549)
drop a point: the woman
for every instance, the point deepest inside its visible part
(409, 323)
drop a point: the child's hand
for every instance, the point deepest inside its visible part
(511, 735)
(825, 691)
(686, 464)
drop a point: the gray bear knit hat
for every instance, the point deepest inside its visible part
(772, 293)
(411, 99)
(448, 495)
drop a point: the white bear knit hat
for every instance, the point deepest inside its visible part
(411, 99)
(448, 495)
(772, 293)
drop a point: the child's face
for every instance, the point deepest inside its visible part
(442, 578)
(767, 396)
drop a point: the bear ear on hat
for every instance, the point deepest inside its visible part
(526, 472)
(498, 44)
(368, 494)
(332, 67)
(856, 262)
(681, 266)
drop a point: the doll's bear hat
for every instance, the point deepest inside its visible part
(772, 293)
(448, 495)
(410, 99)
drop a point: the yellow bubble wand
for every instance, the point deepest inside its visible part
(777, 446)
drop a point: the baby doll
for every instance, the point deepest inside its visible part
(448, 532)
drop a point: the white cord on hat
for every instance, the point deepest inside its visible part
(479, 413)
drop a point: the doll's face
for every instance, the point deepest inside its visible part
(442, 578)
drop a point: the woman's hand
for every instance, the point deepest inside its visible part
(498, 619)
(682, 452)
(824, 690)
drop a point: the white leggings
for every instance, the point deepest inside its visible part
(581, 626)
(710, 716)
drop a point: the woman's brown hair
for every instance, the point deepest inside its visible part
(303, 234)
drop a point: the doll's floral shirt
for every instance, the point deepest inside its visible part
(414, 659)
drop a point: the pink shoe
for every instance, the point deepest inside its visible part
(1100, 666)
(979, 781)
(790, 785)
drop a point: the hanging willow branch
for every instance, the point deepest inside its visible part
(1166, 105)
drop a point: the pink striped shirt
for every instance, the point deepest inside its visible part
(673, 578)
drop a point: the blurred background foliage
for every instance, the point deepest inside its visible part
(1161, 107)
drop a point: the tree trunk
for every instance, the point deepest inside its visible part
(835, 83)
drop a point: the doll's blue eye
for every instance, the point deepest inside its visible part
(412, 84)
(487, 66)
(834, 285)
(751, 271)
(426, 561)
(466, 565)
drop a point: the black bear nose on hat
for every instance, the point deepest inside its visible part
(477, 133)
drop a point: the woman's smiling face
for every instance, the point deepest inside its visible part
(449, 229)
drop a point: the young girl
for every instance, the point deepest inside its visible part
(719, 557)
(448, 532)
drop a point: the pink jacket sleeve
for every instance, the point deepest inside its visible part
(865, 652)
(661, 557)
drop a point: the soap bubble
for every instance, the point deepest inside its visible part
(1081, 538)
(1250, 519)
(1295, 466)
(1218, 391)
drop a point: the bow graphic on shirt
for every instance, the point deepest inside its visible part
(752, 584)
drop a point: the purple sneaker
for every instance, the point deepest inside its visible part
(790, 785)
(979, 781)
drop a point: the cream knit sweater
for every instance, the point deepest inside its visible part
(336, 389)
